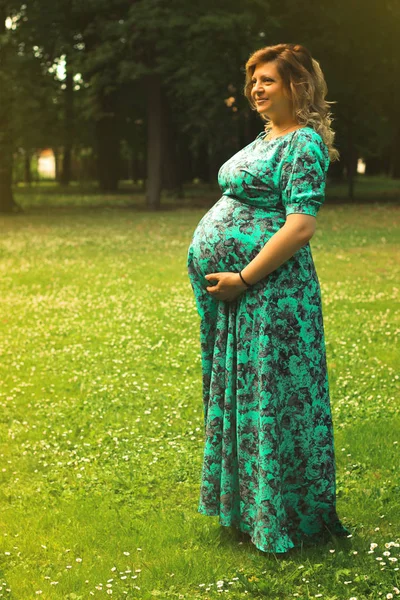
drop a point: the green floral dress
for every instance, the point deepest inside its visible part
(269, 462)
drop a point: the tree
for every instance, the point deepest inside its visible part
(8, 61)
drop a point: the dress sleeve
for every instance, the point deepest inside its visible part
(303, 176)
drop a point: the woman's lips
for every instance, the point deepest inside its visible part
(261, 101)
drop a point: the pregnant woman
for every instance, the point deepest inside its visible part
(269, 461)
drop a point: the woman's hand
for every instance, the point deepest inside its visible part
(229, 286)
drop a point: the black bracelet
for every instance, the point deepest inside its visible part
(245, 282)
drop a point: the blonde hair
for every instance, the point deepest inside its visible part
(303, 79)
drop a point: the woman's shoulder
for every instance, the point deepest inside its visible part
(308, 133)
(307, 138)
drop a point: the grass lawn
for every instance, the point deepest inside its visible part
(101, 412)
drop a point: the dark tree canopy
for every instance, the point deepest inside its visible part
(161, 82)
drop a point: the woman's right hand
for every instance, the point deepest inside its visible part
(229, 286)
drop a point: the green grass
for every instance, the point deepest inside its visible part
(367, 189)
(101, 413)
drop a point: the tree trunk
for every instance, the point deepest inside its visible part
(108, 146)
(56, 163)
(7, 202)
(171, 174)
(351, 162)
(395, 156)
(27, 167)
(136, 168)
(68, 126)
(216, 159)
(186, 159)
(154, 142)
(202, 162)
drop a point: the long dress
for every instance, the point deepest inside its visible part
(269, 461)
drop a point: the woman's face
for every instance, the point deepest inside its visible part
(268, 87)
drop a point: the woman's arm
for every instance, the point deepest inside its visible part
(295, 233)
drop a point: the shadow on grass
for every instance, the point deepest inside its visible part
(232, 535)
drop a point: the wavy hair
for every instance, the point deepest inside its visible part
(305, 83)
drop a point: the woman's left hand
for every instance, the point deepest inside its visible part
(229, 285)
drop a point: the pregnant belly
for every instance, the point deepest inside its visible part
(230, 235)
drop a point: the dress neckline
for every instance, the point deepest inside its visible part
(281, 136)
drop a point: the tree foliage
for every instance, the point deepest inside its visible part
(166, 78)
